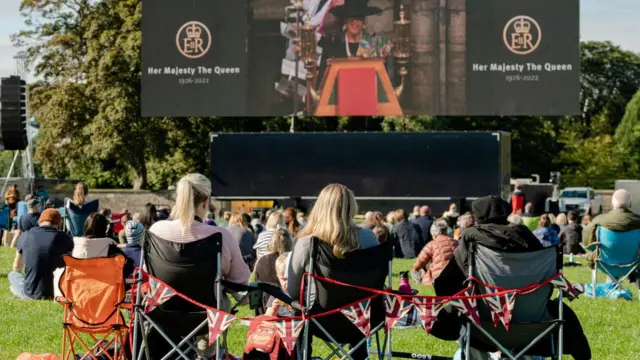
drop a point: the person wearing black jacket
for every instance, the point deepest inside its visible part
(493, 231)
(424, 222)
(407, 237)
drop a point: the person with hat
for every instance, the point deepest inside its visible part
(39, 253)
(134, 232)
(353, 41)
(29, 220)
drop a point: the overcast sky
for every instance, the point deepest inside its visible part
(614, 20)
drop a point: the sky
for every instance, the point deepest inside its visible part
(600, 20)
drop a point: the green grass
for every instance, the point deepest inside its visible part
(35, 326)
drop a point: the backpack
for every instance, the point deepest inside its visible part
(263, 342)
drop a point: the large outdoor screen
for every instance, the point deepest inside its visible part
(360, 58)
(372, 164)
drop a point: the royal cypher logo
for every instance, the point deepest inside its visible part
(522, 35)
(193, 39)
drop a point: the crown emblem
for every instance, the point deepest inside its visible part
(193, 31)
(521, 26)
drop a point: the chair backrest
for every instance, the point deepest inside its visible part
(189, 268)
(95, 288)
(619, 248)
(21, 209)
(366, 268)
(4, 216)
(77, 215)
(515, 271)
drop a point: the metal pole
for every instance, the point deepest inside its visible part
(298, 6)
(6, 180)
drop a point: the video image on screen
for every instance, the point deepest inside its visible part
(360, 57)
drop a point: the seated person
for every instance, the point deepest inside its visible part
(181, 252)
(331, 221)
(134, 232)
(493, 231)
(40, 252)
(265, 269)
(620, 218)
(95, 243)
(29, 220)
(275, 306)
(546, 233)
(436, 254)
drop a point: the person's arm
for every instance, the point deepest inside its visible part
(297, 267)
(589, 234)
(237, 271)
(16, 236)
(424, 258)
(18, 262)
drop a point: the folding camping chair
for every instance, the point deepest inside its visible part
(616, 254)
(173, 326)
(93, 299)
(362, 268)
(75, 216)
(532, 326)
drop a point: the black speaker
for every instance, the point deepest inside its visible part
(13, 114)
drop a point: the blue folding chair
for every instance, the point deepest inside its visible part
(617, 255)
(4, 217)
(77, 215)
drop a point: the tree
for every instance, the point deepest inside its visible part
(609, 78)
(628, 137)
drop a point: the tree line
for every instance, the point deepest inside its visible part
(87, 55)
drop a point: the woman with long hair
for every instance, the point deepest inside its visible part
(96, 243)
(182, 253)
(331, 221)
(80, 193)
(149, 216)
(242, 234)
(291, 220)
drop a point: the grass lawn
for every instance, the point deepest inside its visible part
(35, 326)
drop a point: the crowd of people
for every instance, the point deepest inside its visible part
(271, 244)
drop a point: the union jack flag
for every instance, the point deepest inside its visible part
(396, 309)
(218, 322)
(501, 307)
(563, 284)
(289, 330)
(428, 310)
(158, 294)
(360, 316)
(467, 306)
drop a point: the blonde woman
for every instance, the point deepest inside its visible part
(265, 270)
(275, 221)
(242, 234)
(181, 252)
(331, 222)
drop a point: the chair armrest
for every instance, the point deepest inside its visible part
(62, 300)
(593, 246)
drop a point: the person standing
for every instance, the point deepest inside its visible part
(517, 199)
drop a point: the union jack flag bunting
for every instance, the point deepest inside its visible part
(572, 291)
(360, 316)
(158, 294)
(396, 309)
(428, 310)
(218, 322)
(501, 307)
(289, 330)
(467, 306)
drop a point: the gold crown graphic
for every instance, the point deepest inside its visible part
(193, 31)
(522, 26)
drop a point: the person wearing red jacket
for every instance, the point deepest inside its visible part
(517, 200)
